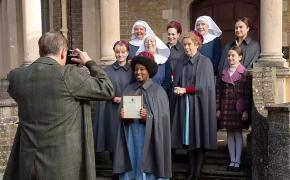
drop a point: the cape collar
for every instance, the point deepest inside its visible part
(235, 77)
(145, 86)
(192, 59)
(246, 41)
(116, 66)
(177, 46)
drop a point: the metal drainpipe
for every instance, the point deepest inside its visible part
(64, 28)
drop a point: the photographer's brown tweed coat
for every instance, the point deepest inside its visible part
(55, 128)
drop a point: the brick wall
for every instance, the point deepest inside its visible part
(56, 15)
(286, 23)
(149, 11)
(75, 25)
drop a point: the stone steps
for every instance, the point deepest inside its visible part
(214, 168)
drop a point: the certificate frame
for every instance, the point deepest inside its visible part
(132, 105)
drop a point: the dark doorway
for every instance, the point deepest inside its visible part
(224, 13)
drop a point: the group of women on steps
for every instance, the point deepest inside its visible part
(190, 89)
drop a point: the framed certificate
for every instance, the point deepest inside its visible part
(132, 105)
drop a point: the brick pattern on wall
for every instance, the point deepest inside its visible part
(149, 11)
(56, 15)
(75, 25)
(286, 20)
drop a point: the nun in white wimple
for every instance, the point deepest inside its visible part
(211, 47)
(161, 53)
(139, 30)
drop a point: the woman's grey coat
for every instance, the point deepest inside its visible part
(157, 145)
(202, 105)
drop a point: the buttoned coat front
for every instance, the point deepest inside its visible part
(55, 128)
(234, 98)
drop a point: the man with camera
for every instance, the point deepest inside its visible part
(54, 138)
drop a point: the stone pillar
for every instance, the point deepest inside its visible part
(110, 29)
(279, 142)
(11, 45)
(271, 34)
(64, 28)
(91, 28)
(32, 29)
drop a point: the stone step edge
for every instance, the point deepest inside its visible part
(207, 170)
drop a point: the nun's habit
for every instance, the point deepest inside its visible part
(211, 46)
(163, 75)
(135, 43)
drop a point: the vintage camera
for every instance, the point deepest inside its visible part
(69, 57)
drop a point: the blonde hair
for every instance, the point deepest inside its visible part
(194, 37)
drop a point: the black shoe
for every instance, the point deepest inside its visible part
(237, 167)
(231, 168)
(191, 177)
(115, 177)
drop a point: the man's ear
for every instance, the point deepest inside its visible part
(63, 53)
(62, 56)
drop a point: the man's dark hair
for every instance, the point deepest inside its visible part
(51, 43)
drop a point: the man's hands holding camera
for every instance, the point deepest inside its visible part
(78, 57)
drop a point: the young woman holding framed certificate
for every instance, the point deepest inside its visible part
(143, 143)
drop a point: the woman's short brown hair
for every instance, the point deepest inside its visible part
(247, 21)
(238, 50)
(176, 25)
(121, 43)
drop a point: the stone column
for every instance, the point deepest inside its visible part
(91, 28)
(64, 28)
(271, 34)
(32, 29)
(10, 42)
(110, 29)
